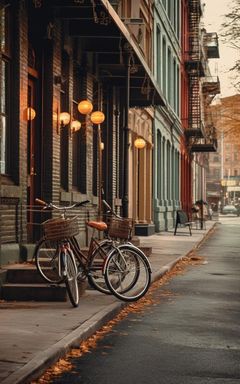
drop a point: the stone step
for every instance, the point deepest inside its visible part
(24, 275)
(33, 292)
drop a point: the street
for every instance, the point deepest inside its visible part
(190, 334)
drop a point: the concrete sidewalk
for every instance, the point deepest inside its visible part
(34, 335)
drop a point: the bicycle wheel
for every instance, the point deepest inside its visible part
(127, 273)
(96, 264)
(71, 278)
(47, 260)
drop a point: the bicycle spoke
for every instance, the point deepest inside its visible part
(47, 261)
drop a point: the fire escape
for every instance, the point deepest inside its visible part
(201, 136)
(195, 67)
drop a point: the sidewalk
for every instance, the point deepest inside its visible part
(34, 335)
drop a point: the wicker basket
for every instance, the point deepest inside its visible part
(60, 229)
(120, 228)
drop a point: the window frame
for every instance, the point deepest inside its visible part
(6, 95)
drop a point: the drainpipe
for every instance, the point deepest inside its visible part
(126, 141)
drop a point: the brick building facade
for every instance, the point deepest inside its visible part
(55, 54)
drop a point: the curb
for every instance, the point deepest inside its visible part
(38, 365)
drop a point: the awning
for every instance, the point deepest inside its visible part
(102, 34)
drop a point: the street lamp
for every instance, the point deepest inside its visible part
(97, 118)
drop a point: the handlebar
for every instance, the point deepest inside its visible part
(110, 210)
(52, 206)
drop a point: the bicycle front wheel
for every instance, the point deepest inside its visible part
(47, 260)
(127, 273)
(97, 261)
(71, 278)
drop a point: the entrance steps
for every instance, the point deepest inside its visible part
(22, 282)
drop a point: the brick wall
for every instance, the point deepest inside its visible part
(14, 196)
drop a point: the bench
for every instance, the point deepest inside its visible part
(182, 219)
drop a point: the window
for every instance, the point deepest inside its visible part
(227, 157)
(177, 20)
(5, 87)
(76, 136)
(164, 68)
(171, 7)
(158, 56)
(170, 80)
(174, 85)
(217, 173)
(126, 9)
(177, 92)
(145, 39)
(227, 147)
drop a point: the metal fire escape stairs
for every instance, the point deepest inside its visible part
(195, 68)
(199, 137)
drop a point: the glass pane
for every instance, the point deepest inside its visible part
(2, 29)
(3, 87)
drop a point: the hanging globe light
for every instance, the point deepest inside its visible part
(75, 125)
(139, 143)
(97, 117)
(64, 118)
(85, 107)
(31, 113)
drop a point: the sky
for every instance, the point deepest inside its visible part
(214, 12)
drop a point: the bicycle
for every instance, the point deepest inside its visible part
(123, 261)
(126, 261)
(48, 250)
(58, 257)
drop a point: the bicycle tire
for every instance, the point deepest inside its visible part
(47, 261)
(71, 278)
(96, 277)
(127, 273)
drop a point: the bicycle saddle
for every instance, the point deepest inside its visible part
(99, 225)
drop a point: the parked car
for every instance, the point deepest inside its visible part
(230, 209)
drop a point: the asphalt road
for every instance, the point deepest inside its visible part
(190, 334)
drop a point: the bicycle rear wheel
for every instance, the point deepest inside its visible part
(127, 273)
(71, 278)
(47, 260)
(96, 277)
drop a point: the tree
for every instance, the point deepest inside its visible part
(231, 35)
(226, 118)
